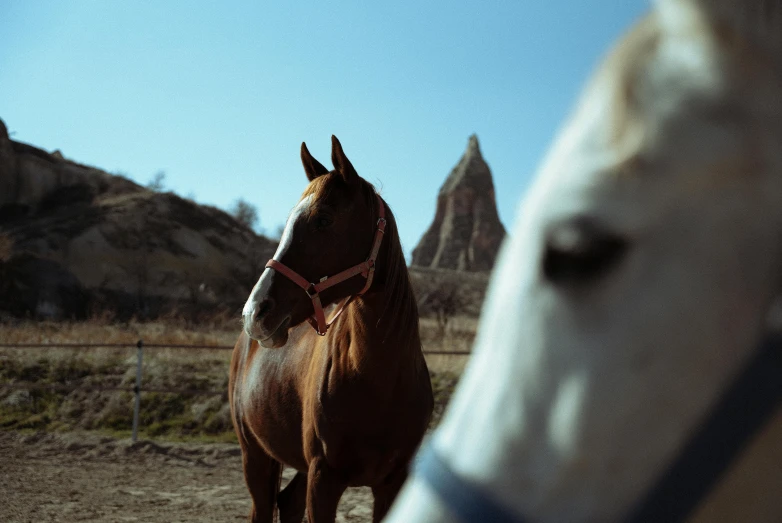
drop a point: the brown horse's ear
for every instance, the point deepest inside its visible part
(312, 167)
(341, 163)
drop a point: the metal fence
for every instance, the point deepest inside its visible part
(138, 388)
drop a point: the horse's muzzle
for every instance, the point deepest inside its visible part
(260, 326)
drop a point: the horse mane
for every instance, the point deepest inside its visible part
(400, 303)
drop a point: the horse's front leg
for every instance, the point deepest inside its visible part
(324, 488)
(262, 475)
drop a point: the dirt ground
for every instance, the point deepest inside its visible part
(89, 478)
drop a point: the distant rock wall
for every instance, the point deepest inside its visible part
(85, 241)
(29, 175)
(8, 179)
(466, 232)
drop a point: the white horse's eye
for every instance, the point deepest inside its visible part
(580, 252)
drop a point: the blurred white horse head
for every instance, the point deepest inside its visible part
(637, 279)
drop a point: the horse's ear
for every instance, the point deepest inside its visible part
(341, 163)
(312, 167)
(730, 21)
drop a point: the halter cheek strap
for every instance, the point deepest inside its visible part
(313, 290)
(744, 409)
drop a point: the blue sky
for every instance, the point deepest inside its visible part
(220, 95)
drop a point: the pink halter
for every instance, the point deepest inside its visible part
(313, 290)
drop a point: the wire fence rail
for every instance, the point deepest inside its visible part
(138, 388)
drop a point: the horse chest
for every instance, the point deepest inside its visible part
(354, 411)
(273, 407)
(363, 438)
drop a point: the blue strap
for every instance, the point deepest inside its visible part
(744, 410)
(466, 500)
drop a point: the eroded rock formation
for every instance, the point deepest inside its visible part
(466, 232)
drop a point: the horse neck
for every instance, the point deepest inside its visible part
(384, 322)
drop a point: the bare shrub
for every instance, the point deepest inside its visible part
(158, 182)
(443, 300)
(245, 213)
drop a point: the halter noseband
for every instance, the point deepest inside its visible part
(744, 409)
(313, 290)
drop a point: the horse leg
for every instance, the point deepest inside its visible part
(324, 488)
(385, 493)
(262, 475)
(292, 500)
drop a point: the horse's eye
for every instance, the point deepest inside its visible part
(323, 220)
(580, 252)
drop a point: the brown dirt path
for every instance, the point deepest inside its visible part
(89, 478)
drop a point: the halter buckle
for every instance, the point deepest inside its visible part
(381, 225)
(311, 291)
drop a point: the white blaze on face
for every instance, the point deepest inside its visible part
(287, 234)
(285, 241)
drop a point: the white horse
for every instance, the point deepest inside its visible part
(637, 282)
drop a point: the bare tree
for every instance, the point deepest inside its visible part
(443, 300)
(158, 182)
(245, 213)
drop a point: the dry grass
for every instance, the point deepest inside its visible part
(458, 336)
(177, 416)
(101, 330)
(164, 416)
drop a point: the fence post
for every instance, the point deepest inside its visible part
(137, 388)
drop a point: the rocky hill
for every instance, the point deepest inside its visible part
(77, 241)
(466, 232)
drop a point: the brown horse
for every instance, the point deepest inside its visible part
(344, 404)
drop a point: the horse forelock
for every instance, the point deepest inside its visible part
(620, 75)
(318, 190)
